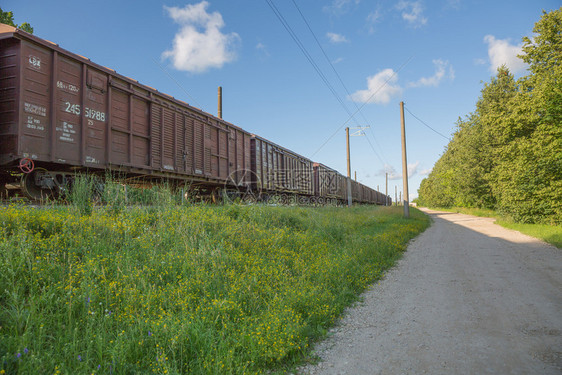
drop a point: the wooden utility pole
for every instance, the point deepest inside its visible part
(219, 111)
(395, 195)
(355, 175)
(349, 200)
(404, 164)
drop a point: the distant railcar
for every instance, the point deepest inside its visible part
(329, 184)
(278, 170)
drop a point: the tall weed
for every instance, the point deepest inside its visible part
(174, 288)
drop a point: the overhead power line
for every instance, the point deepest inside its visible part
(303, 49)
(311, 60)
(362, 105)
(420, 120)
(340, 79)
(177, 83)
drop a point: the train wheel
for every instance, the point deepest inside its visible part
(274, 200)
(249, 198)
(303, 200)
(34, 187)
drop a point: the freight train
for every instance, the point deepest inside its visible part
(62, 114)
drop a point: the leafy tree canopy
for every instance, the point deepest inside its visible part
(507, 154)
(8, 19)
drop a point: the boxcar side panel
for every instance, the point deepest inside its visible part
(180, 143)
(67, 116)
(119, 122)
(199, 147)
(224, 168)
(96, 119)
(155, 135)
(141, 132)
(9, 92)
(168, 143)
(188, 150)
(35, 99)
(232, 154)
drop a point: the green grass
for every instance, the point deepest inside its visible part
(548, 233)
(177, 289)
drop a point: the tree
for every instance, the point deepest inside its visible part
(544, 51)
(529, 173)
(463, 176)
(508, 153)
(8, 19)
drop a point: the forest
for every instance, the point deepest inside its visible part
(507, 154)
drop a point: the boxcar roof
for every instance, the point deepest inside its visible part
(280, 147)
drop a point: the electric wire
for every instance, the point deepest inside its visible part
(341, 81)
(376, 153)
(364, 103)
(303, 50)
(177, 83)
(420, 120)
(325, 80)
(325, 55)
(313, 63)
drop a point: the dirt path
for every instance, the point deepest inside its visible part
(469, 297)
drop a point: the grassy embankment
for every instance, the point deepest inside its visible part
(548, 233)
(175, 289)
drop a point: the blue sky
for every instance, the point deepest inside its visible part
(433, 55)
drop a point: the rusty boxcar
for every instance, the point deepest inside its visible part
(329, 184)
(60, 112)
(278, 170)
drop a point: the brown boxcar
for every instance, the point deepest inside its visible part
(329, 183)
(279, 170)
(64, 112)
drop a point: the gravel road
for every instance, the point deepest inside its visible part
(468, 297)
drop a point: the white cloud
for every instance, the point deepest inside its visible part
(425, 172)
(262, 49)
(339, 7)
(394, 175)
(338, 60)
(413, 168)
(199, 44)
(479, 62)
(336, 38)
(442, 70)
(501, 52)
(412, 12)
(380, 88)
(455, 4)
(372, 19)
